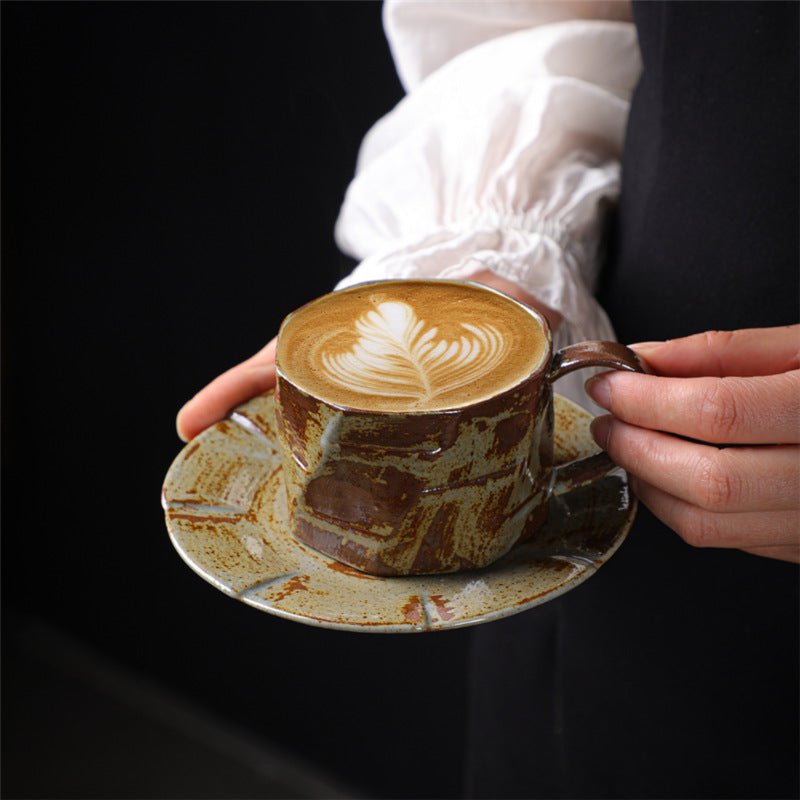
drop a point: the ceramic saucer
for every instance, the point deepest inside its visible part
(226, 514)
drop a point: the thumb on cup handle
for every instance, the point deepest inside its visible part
(612, 355)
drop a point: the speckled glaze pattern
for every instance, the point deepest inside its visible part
(226, 512)
(416, 494)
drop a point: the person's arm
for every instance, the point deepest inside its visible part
(502, 160)
(496, 167)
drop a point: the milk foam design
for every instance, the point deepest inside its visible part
(400, 355)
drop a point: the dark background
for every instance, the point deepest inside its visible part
(171, 178)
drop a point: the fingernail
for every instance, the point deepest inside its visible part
(601, 430)
(643, 348)
(180, 433)
(599, 390)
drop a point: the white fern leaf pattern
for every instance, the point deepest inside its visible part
(398, 355)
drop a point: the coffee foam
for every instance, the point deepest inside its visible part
(410, 345)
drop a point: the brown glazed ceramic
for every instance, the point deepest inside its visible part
(404, 494)
(225, 506)
(429, 492)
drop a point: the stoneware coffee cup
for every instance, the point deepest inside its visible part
(407, 492)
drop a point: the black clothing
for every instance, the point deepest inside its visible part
(674, 671)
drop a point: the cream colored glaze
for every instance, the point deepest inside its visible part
(410, 345)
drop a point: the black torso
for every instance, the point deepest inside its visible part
(673, 672)
(707, 230)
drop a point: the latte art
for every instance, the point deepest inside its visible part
(400, 355)
(410, 345)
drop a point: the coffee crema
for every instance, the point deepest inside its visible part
(410, 345)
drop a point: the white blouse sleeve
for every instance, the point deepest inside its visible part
(504, 154)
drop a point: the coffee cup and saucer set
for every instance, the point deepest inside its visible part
(412, 471)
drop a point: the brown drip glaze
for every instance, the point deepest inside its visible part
(442, 609)
(509, 432)
(363, 495)
(399, 494)
(438, 542)
(412, 611)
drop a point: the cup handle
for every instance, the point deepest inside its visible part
(613, 355)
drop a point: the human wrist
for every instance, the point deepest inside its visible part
(491, 279)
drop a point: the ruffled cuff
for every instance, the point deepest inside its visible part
(545, 264)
